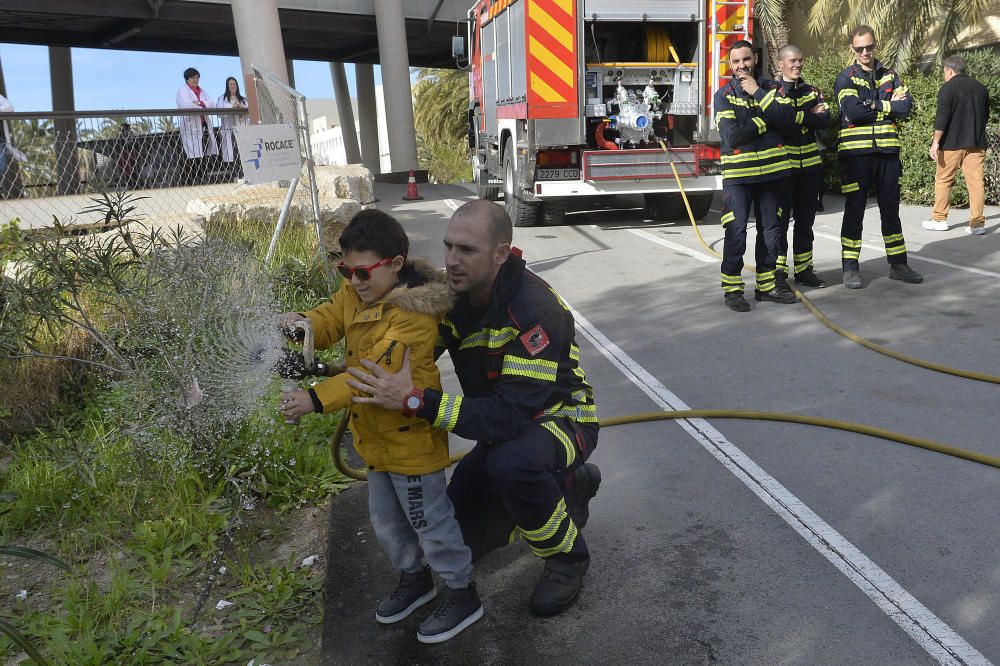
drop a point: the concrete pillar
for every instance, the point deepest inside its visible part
(345, 112)
(61, 77)
(3, 85)
(391, 27)
(364, 78)
(258, 38)
(290, 67)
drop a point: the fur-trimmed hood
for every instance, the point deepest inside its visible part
(422, 288)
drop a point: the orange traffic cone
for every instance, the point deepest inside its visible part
(411, 189)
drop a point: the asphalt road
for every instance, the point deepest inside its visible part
(741, 542)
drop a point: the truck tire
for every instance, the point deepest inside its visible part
(670, 207)
(488, 191)
(522, 213)
(553, 213)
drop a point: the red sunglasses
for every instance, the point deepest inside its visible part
(363, 272)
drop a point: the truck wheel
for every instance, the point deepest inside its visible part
(553, 213)
(522, 213)
(488, 191)
(670, 207)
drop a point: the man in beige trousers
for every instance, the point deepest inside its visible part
(963, 110)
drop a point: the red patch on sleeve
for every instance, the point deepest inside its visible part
(535, 340)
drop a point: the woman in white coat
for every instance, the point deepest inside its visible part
(231, 99)
(196, 130)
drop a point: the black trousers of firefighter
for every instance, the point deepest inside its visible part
(737, 203)
(857, 175)
(799, 200)
(502, 490)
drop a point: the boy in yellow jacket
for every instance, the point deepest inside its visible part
(385, 307)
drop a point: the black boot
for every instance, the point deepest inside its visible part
(809, 278)
(736, 302)
(778, 295)
(559, 587)
(414, 590)
(579, 488)
(458, 609)
(904, 273)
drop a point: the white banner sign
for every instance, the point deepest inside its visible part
(268, 152)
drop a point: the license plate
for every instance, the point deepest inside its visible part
(558, 174)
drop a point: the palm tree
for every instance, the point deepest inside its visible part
(441, 102)
(906, 29)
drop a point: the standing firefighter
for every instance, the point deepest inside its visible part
(803, 186)
(872, 98)
(754, 164)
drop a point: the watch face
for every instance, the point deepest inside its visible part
(412, 402)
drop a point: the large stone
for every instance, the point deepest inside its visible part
(345, 182)
(334, 216)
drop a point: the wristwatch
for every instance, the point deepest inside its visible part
(413, 402)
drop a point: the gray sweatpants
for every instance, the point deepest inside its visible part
(413, 517)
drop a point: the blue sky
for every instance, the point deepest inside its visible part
(105, 79)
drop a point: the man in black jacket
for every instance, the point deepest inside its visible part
(963, 110)
(526, 402)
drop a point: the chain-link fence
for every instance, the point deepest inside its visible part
(53, 164)
(279, 104)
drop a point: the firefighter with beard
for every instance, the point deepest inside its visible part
(526, 403)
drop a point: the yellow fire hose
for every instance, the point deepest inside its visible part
(993, 461)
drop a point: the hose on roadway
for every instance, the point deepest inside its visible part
(361, 474)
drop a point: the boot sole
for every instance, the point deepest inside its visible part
(759, 298)
(454, 631)
(893, 277)
(405, 613)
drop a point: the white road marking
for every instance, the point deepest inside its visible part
(451, 203)
(929, 631)
(700, 256)
(916, 255)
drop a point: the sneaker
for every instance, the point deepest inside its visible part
(580, 487)
(559, 586)
(736, 302)
(457, 610)
(809, 278)
(852, 279)
(935, 225)
(414, 590)
(778, 295)
(904, 273)
(975, 231)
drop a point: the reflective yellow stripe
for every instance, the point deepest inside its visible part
(861, 82)
(447, 414)
(809, 161)
(805, 256)
(451, 327)
(728, 217)
(551, 526)
(574, 352)
(728, 113)
(757, 171)
(491, 338)
(886, 106)
(855, 145)
(846, 92)
(800, 117)
(768, 98)
(563, 439)
(848, 254)
(849, 187)
(885, 79)
(892, 238)
(850, 242)
(761, 125)
(559, 299)
(732, 279)
(533, 368)
(750, 156)
(738, 101)
(564, 547)
(901, 249)
(581, 413)
(857, 131)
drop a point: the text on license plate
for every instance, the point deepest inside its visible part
(558, 174)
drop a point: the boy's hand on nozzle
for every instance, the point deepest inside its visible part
(296, 404)
(285, 323)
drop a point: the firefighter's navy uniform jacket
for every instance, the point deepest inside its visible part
(869, 155)
(803, 185)
(527, 402)
(754, 162)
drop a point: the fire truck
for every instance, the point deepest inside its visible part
(578, 98)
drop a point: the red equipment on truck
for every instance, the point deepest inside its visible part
(570, 98)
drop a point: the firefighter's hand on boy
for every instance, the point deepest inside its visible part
(296, 404)
(749, 85)
(819, 108)
(385, 389)
(285, 322)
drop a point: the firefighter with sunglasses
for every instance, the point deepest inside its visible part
(872, 98)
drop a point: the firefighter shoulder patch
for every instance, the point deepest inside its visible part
(535, 340)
